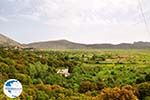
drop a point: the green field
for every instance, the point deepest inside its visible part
(93, 74)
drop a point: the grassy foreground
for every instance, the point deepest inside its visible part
(94, 74)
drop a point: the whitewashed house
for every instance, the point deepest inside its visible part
(64, 72)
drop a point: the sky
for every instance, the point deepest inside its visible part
(82, 21)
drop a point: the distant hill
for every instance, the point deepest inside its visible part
(59, 44)
(64, 44)
(5, 42)
(135, 45)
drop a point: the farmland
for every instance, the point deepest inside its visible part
(106, 74)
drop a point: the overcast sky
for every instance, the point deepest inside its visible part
(84, 21)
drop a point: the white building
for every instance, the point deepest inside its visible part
(64, 72)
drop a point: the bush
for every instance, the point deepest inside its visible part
(144, 90)
(41, 95)
(37, 70)
(147, 77)
(4, 68)
(147, 98)
(100, 85)
(86, 86)
(23, 78)
(123, 93)
(140, 80)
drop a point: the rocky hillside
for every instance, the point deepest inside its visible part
(5, 41)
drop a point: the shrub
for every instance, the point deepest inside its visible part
(147, 77)
(144, 90)
(123, 93)
(86, 86)
(100, 85)
(41, 95)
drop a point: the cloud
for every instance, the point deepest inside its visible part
(19, 8)
(75, 11)
(90, 12)
(3, 19)
(75, 17)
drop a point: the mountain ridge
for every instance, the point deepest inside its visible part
(6, 41)
(65, 44)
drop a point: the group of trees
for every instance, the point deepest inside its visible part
(94, 75)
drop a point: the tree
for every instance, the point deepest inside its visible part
(144, 90)
(41, 95)
(37, 70)
(86, 86)
(123, 93)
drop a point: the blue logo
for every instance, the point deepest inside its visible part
(12, 88)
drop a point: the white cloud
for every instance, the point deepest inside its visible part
(90, 11)
(90, 18)
(77, 11)
(3, 19)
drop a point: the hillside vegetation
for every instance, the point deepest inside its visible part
(94, 74)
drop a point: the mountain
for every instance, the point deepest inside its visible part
(5, 41)
(135, 45)
(64, 44)
(59, 44)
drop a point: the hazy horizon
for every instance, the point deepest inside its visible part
(71, 41)
(86, 21)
